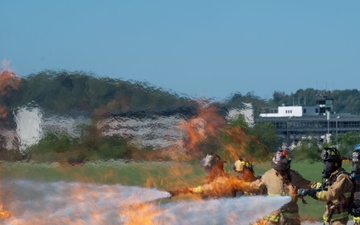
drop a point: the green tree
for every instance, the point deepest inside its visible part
(278, 97)
(346, 143)
(65, 92)
(238, 100)
(308, 150)
(266, 134)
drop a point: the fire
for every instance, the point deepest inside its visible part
(3, 213)
(236, 142)
(74, 203)
(147, 211)
(36, 202)
(8, 81)
(206, 124)
(209, 124)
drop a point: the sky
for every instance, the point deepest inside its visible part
(200, 49)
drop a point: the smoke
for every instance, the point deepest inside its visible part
(31, 202)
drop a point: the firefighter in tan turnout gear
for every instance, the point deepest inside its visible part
(336, 190)
(355, 175)
(218, 182)
(280, 180)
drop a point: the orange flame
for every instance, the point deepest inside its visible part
(3, 213)
(8, 81)
(147, 214)
(237, 142)
(206, 124)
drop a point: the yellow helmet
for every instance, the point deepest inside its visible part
(241, 164)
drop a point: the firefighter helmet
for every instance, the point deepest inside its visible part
(242, 164)
(281, 160)
(357, 147)
(356, 159)
(330, 154)
(356, 153)
(332, 160)
(212, 160)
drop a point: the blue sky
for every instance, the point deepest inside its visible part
(208, 49)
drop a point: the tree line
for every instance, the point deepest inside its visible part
(63, 92)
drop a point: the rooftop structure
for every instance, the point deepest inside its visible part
(294, 123)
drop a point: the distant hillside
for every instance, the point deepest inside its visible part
(62, 92)
(76, 92)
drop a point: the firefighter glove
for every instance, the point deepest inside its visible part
(312, 192)
(303, 192)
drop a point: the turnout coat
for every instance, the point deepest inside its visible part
(282, 184)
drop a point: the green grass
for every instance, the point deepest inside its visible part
(162, 175)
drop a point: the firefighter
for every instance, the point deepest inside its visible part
(355, 174)
(218, 182)
(214, 167)
(280, 180)
(244, 170)
(239, 165)
(336, 190)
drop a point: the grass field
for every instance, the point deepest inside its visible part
(161, 175)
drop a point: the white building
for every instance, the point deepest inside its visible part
(293, 111)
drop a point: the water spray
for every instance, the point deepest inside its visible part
(34, 202)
